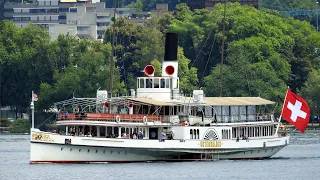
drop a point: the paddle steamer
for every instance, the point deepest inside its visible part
(158, 123)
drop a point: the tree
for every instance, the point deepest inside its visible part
(311, 90)
(25, 63)
(20, 126)
(138, 5)
(82, 76)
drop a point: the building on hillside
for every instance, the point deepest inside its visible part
(209, 4)
(142, 17)
(82, 18)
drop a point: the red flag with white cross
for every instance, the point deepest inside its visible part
(296, 111)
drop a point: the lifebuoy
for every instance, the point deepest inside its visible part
(117, 118)
(145, 120)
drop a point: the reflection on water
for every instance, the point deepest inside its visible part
(299, 160)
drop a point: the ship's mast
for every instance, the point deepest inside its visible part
(222, 47)
(113, 49)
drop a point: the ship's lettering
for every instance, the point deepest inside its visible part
(41, 137)
(210, 144)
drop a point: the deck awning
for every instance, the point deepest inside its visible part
(152, 101)
(236, 101)
(68, 0)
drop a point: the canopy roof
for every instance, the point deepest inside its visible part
(68, 0)
(152, 101)
(209, 101)
(236, 101)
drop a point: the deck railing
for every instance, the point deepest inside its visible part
(110, 117)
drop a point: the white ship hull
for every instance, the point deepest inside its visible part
(85, 149)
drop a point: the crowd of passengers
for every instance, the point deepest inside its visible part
(78, 114)
(89, 134)
(123, 135)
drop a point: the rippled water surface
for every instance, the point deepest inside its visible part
(299, 160)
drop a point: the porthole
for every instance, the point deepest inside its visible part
(96, 151)
(119, 152)
(79, 150)
(110, 152)
(88, 150)
(61, 148)
(125, 153)
(70, 149)
(104, 151)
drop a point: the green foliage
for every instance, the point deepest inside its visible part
(311, 91)
(265, 52)
(138, 5)
(187, 76)
(82, 71)
(24, 62)
(20, 126)
(4, 122)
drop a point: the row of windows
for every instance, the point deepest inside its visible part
(259, 131)
(47, 3)
(153, 83)
(35, 11)
(194, 134)
(226, 134)
(103, 24)
(44, 18)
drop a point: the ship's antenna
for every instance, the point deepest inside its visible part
(113, 49)
(222, 48)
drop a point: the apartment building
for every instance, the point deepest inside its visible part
(82, 18)
(142, 17)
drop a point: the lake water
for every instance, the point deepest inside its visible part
(299, 160)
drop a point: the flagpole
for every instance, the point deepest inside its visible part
(276, 133)
(32, 111)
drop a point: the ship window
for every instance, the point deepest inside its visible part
(191, 134)
(195, 134)
(142, 83)
(149, 83)
(198, 134)
(167, 83)
(162, 83)
(156, 83)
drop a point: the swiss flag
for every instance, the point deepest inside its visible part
(34, 96)
(296, 111)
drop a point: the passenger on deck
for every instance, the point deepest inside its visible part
(65, 114)
(134, 136)
(82, 114)
(164, 136)
(140, 136)
(149, 85)
(163, 84)
(76, 111)
(237, 139)
(81, 134)
(89, 134)
(170, 135)
(124, 135)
